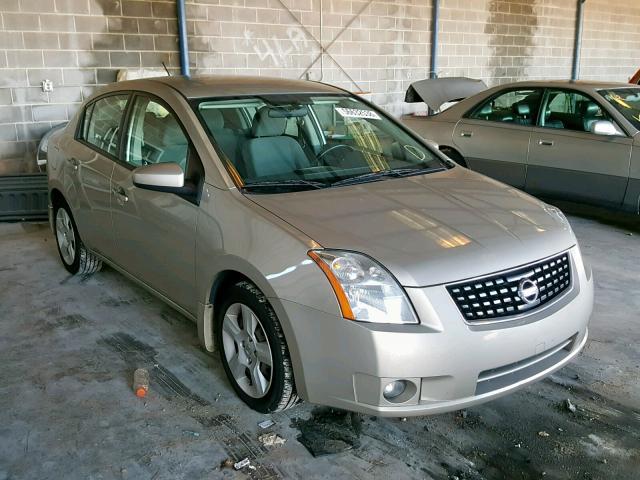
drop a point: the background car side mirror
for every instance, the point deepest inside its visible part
(604, 127)
(159, 177)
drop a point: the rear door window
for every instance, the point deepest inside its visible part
(101, 124)
(518, 107)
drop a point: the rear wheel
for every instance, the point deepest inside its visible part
(454, 155)
(253, 350)
(74, 255)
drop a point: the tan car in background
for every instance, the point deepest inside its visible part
(326, 251)
(565, 140)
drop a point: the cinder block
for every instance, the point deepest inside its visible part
(12, 40)
(13, 114)
(24, 58)
(122, 25)
(163, 9)
(93, 59)
(105, 7)
(135, 8)
(92, 24)
(79, 77)
(28, 95)
(71, 6)
(57, 23)
(60, 58)
(108, 41)
(75, 41)
(138, 42)
(37, 6)
(43, 113)
(125, 59)
(36, 76)
(23, 22)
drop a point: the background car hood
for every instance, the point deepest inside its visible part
(429, 229)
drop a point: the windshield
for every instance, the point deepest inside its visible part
(275, 143)
(626, 101)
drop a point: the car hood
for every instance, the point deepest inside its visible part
(429, 229)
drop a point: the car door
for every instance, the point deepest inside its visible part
(494, 136)
(568, 161)
(155, 230)
(89, 163)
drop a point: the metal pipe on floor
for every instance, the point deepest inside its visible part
(435, 28)
(182, 35)
(577, 45)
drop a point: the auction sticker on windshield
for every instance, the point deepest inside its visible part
(357, 113)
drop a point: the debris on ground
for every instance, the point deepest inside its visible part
(242, 464)
(570, 406)
(228, 463)
(329, 431)
(271, 439)
(266, 424)
(543, 433)
(403, 419)
(141, 382)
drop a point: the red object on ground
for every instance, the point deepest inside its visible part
(636, 78)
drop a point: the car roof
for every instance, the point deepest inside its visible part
(576, 84)
(202, 86)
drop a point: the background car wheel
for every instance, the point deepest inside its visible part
(254, 351)
(454, 155)
(74, 255)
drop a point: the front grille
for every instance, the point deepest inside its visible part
(501, 295)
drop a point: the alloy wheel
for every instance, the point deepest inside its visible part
(65, 236)
(247, 350)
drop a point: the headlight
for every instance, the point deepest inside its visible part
(366, 291)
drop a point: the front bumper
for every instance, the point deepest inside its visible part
(451, 364)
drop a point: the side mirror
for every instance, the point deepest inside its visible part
(604, 127)
(159, 176)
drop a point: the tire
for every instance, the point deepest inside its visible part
(244, 355)
(455, 156)
(76, 258)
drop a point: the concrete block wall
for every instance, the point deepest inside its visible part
(377, 46)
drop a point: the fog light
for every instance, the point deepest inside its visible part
(394, 389)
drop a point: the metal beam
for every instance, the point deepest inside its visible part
(182, 35)
(435, 28)
(577, 44)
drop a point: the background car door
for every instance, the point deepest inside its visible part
(90, 162)
(155, 231)
(494, 138)
(567, 161)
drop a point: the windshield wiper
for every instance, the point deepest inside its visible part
(407, 172)
(394, 173)
(283, 183)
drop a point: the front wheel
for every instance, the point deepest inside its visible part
(74, 255)
(253, 350)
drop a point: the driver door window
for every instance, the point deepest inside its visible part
(569, 110)
(155, 136)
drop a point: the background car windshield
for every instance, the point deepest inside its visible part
(310, 141)
(626, 101)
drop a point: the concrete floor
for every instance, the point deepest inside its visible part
(68, 347)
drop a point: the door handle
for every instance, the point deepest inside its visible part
(466, 134)
(74, 162)
(545, 143)
(121, 195)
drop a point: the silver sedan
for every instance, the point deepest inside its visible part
(326, 252)
(566, 140)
